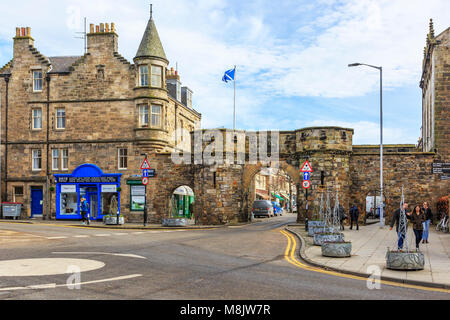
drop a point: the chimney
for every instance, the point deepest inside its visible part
(102, 39)
(22, 40)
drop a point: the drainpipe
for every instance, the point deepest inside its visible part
(47, 200)
(3, 195)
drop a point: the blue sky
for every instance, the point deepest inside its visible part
(291, 56)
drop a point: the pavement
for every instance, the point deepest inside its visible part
(369, 246)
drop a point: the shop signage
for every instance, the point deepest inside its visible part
(109, 188)
(137, 198)
(113, 179)
(68, 188)
(440, 167)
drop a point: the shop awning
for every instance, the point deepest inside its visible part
(284, 195)
(277, 196)
(265, 196)
(184, 191)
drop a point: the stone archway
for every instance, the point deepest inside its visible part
(248, 176)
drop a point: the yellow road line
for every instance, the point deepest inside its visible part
(290, 257)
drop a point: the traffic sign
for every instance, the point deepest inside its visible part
(306, 167)
(306, 184)
(145, 165)
(144, 181)
(145, 173)
(306, 175)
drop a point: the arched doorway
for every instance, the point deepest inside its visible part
(182, 203)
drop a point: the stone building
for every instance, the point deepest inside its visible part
(62, 112)
(98, 109)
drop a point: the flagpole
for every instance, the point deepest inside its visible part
(234, 105)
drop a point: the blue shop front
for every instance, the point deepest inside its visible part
(87, 181)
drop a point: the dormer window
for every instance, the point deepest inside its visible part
(189, 99)
(156, 76)
(143, 76)
(37, 80)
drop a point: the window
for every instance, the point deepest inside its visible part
(156, 116)
(18, 194)
(189, 99)
(68, 200)
(55, 159)
(143, 115)
(37, 159)
(37, 80)
(156, 76)
(123, 158)
(65, 159)
(60, 156)
(143, 76)
(60, 118)
(36, 121)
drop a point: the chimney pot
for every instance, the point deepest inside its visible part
(28, 30)
(17, 32)
(92, 28)
(97, 29)
(113, 27)
(23, 32)
(107, 27)
(102, 27)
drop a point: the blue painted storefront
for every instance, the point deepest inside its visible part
(87, 181)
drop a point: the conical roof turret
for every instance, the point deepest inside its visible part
(151, 44)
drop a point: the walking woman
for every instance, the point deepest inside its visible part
(417, 217)
(426, 224)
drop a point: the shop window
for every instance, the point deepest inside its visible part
(143, 115)
(37, 159)
(36, 120)
(37, 81)
(109, 200)
(123, 158)
(68, 200)
(143, 76)
(60, 118)
(156, 76)
(156, 116)
(18, 194)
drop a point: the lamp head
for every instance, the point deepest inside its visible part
(354, 64)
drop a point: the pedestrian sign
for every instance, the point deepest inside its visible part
(306, 184)
(145, 165)
(144, 181)
(305, 175)
(306, 167)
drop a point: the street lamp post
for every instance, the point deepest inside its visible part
(381, 136)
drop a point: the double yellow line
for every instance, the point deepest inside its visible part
(289, 255)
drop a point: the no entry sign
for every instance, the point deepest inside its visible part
(306, 184)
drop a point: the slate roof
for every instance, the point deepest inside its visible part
(62, 64)
(151, 44)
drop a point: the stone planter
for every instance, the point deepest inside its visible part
(397, 260)
(337, 249)
(113, 220)
(314, 230)
(320, 238)
(174, 222)
(316, 223)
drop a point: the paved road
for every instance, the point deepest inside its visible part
(245, 262)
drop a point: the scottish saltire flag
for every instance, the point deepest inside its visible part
(229, 75)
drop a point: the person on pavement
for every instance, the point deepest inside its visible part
(84, 206)
(417, 218)
(342, 216)
(426, 225)
(354, 215)
(396, 220)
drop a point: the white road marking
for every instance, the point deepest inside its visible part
(130, 255)
(102, 235)
(53, 238)
(81, 236)
(53, 285)
(120, 234)
(139, 232)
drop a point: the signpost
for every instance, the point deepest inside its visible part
(306, 169)
(145, 166)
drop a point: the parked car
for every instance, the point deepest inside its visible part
(262, 208)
